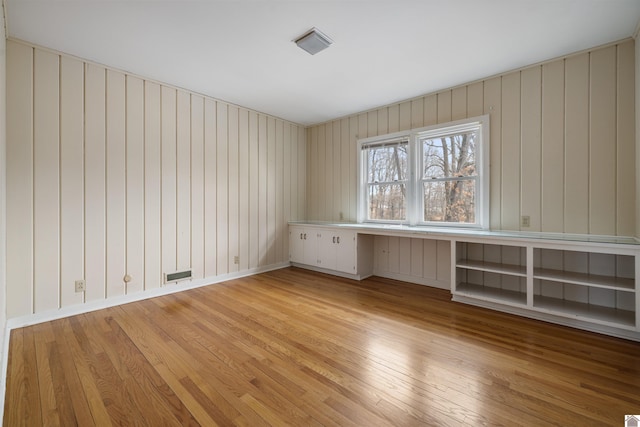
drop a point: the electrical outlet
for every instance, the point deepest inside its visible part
(525, 221)
(81, 286)
(236, 259)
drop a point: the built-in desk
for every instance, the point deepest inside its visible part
(584, 281)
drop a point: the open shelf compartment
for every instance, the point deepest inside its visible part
(583, 311)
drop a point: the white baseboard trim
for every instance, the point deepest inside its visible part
(33, 319)
(46, 316)
(331, 272)
(414, 279)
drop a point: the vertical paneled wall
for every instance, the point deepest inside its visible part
(111, 175)
(3, 229)
(562, 147)
(562, 144)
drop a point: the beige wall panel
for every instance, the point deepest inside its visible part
(625, 133)
(430, 110)
(475, 99)
(552, 175)
(382, 121)
(405, 115)
(279, 199)
(393, 118)
(417, 253)
(405, 255)
(210, 188)
(493, 106)
(197, 186)
(286, 186)
(394, 254)
(510, 214)
(302, 172)
(338, 183)
(372, 123)
(262, 190)
(169, 178)
(329, 172)
(232, 172)
(116, 185)
(531, 176)
(353, 170)
(313, 181)
(183, 181)
(576, 202)
(222, 185)
(254, 191)
(444, 106)
(19, 179)
(459, 103)
(602, 137)
(71, 179)
(293, 174)
(271, 190)
(152, 187)
(444, 261)
(430, 259)
(46, 196)
(244, 238)
(95, 183)
(135, 184)
(417, 113)
(362, 125)
(321, 170)
(346, 166)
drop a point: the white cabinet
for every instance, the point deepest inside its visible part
(587, 285)
(303, 245)
(337, 250)
(331, 250)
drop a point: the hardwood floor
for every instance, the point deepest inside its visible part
(291, 347)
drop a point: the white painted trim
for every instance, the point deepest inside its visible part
(331, 272)
(33, 319)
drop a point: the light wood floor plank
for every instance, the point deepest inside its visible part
(292, 347)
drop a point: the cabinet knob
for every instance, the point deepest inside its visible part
(338, 239)
(300, 236)
(305, 236)
(334, 239)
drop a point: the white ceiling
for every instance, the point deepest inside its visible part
(241, 51)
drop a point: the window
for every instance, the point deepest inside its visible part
(387, 180)
(438, 175)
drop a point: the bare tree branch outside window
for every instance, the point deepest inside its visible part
(387, 181)
(449, 178)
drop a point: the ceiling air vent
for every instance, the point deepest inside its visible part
(313, 41)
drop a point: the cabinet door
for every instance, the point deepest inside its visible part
(345, 251)
(310, 243)
(296, 244)
(337, 250)
(326, 249)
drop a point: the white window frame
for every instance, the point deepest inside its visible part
(414, 199)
